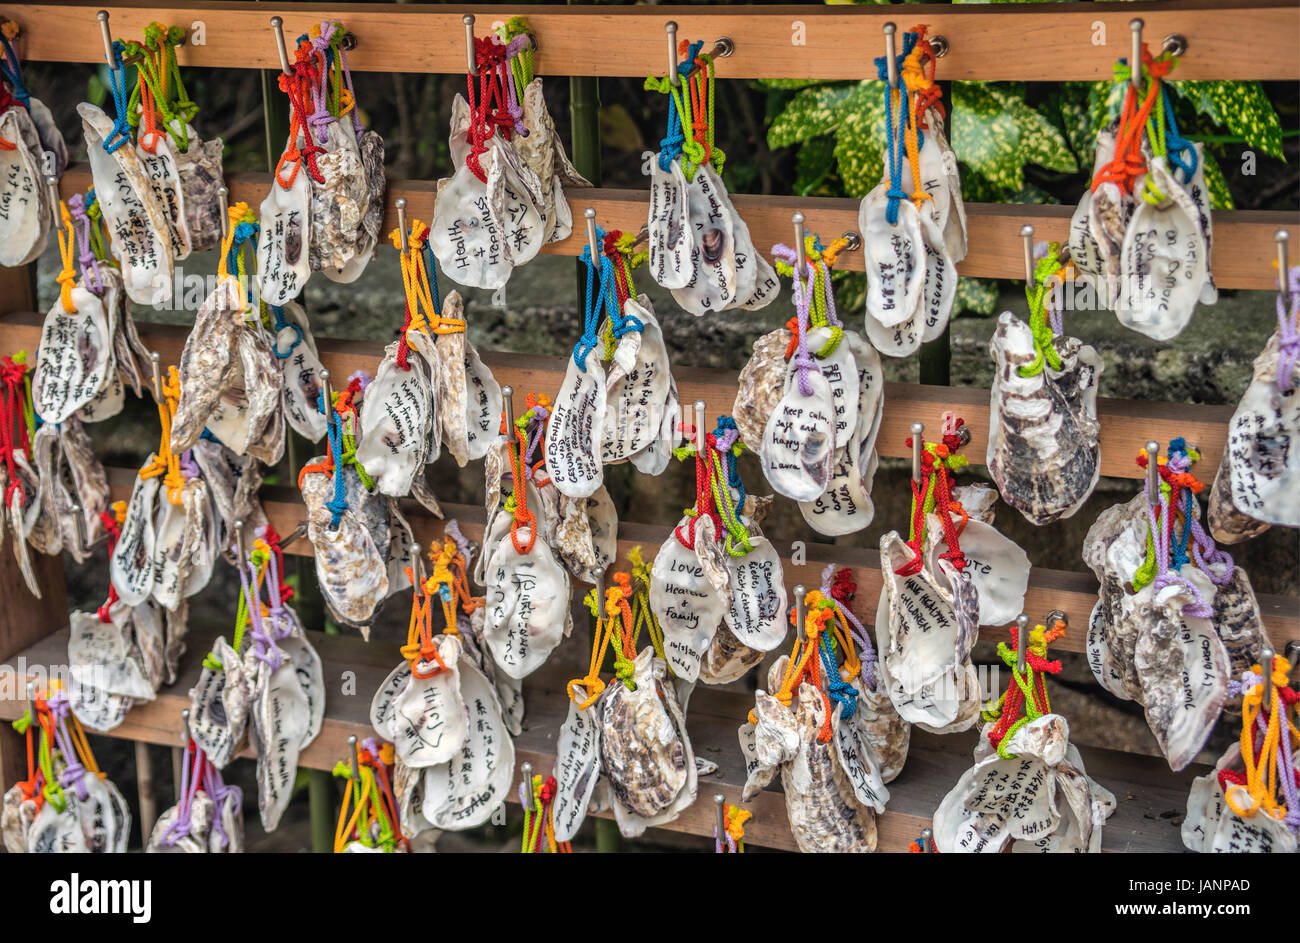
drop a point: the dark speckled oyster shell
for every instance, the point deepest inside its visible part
(1043, 450)
(201, 177)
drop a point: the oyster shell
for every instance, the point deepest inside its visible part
(349, 567)
(586, 535)
(1238, 624)
(1263, 456)
(24, 226)
(637, 387)
(1043, 448)
(201, 176)
(1226, 524)
(132, 215)
(395, 419)
(997, 566)
(672, 238)
(895, 260)
(527, 605)
(798, 449)
(75, 357)
(645, 753)
(573, 434)
(825, 814)
(761, 384)
(577, 765)
(713, 284)
(282, 251)
(728, 658)
(685, 598)
(428, 720)
(1212, 826)
(339, 201)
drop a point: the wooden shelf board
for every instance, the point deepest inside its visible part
(1126, 425)
(1149, 795)
(1243, 239)
(1063, 42)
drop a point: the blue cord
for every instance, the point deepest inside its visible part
(13, 73)
(117, 82)
(604, 295)
(339, 503)
(894, 144)
(670, 147)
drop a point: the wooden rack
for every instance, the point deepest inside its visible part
(1052, 42)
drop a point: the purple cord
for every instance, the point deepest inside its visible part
(74, 773)
(1166, 576)
(803, 360)
(1288, 345)
(513, 49)
(184, 809)
(217, 791)
(89, 264)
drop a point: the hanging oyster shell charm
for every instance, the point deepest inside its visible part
(1262, 452)
(645, 753)
(1039, 800)
(761, 385)
(282, 250)
(201, 176)
(825, 814)
(998, 567)
(1212, 826)
(895, 257)
(527, 603)
(798, 449)
(684, 597)
(135, 221)
(573, 434)
(395, 423)
(428, 720)
(349, 566)
(672, 238)
(577, 765)
(1043, 448)
(24, 208)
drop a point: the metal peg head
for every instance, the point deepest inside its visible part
(1027, 238)
(590, 215)
(471, 63)
(239, 543)
(52, 188)
(853, 240)
(326, 398)
(1175, 44)
(1055, 616)
(400, 205)
(1153, 472)
(699, 427)
(800, 610)
(724, 47)
(1022, 642)
(155, 367)
(277, 27)
(508, 396)
(927, 841)
(939, 46)
(891, 55)
(355, 773)
(223, 195)
(1266, 666)
(527, 771)
(918, 443)
(801, 260)
(102, 16)
(1283, 239)
(671, 29)
(417, 564)
(1135, 54)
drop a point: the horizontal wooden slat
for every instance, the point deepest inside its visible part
(1126, 425)
(1242, 251)
(1074, 593)
(1057, 42)
(1148, 793)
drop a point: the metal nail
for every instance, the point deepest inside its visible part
(325, 392)
(417, 564)
(800, 610)
(223, 194)
(1027, 237)
(355, 774)
(590, 215)
(528, 786)
(918, 443)
(1266, 665)
(400, 204)
(79, 521)
(277, 27)
(239, 543)
(927, 841)
(185, 727)
(801, 260)
(1153, 472)
(1135, 55)
(471, 61)
(891, 60)
(720, 816)
(1283, 239)
(853, 240)
(671, 29)
(52, 186)
(508, 394)
(1022, 642)
(699, 427)
(155, 365)
(102, 16)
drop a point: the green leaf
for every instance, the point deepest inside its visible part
(813, 111)
(1105, 100)
(1241, 107)
(860, 143)
(814, 162)
(96, 90)
(996, 133)
(1216, 183)
(789, 83)
(978, 296)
